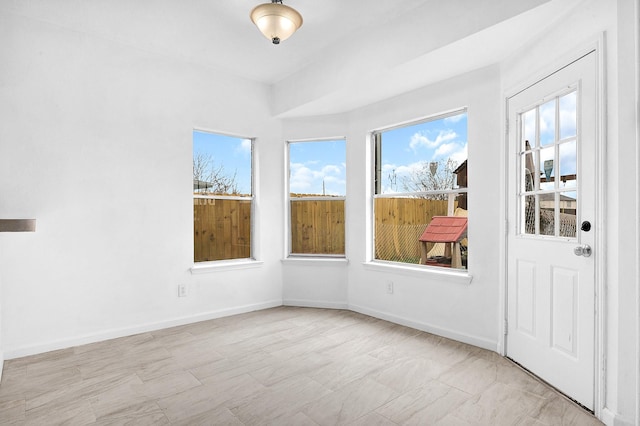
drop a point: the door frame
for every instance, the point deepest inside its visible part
(597, 46)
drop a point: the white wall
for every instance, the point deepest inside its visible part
(96, 144)
(585, 25)
(315, 282)
(424, 300)
(466, 312)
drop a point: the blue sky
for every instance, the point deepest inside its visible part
(544, 118)
(232, 152)
(312, 163)
(405, 149)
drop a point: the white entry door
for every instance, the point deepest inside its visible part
(551, 231)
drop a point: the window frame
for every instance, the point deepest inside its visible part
(451, 274)
(289, 255)
(537, 190)
(234, 263)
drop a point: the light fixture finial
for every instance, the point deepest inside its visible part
(276, 21)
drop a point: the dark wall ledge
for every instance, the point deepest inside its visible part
(17, 225)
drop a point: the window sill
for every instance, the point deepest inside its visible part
(443, 274)
(315, 261)
(224, 265)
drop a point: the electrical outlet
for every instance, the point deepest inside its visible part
(389, 287)
(182, 290)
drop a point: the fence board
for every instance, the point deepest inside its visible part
(221, 229)
(399, 222)
(317, 227)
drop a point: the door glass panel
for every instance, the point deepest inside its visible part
(568, 169)
(568, 114)
(547, 214)
(529, 214)
(528, 172)
(548, 161)
(547, 168)
(568, 209)
(548, 123)
(529, 129)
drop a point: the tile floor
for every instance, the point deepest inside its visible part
(282, 366)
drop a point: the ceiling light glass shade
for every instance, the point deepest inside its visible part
(276, 21)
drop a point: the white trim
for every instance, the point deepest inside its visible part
(1, 364)
(224, 197)
(607, 417)
(321, 139)
(421, 193)
(319, 198)
(600, 377)
(422, 120)
(128, 331)
(322, 304)
(225, 265)
(420, 271)
(480, 342)
(315, 261)
(637, 102)
(610, 418)
(597, 46)
(287, 204)
(287, 192)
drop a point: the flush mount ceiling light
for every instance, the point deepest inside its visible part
(276, 21)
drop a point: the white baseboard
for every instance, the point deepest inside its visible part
(128, 331)
(301, 303)
(444, 332)
(1, 364)
(610, 418)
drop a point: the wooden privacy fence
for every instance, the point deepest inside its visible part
(399, 222)
(317, 226)
(221, 229)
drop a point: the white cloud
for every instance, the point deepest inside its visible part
(330, 169)
(461, 155)
(445, 150)
(244, 147)
(457, 151)
(455, 118)
(305, 180)
(420, 139)
(389, 170)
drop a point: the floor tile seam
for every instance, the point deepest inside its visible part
(379, 414)
(454, 367)
(111, 416)
(55, 407)
(147, 382)
(62, 399)
(548, 387)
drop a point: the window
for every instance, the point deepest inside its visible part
(222, 197)
(421, 174)
(548, 157)
(317, 189)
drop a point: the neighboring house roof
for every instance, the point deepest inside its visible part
(460, 167)
(445, 229)
(199, 184)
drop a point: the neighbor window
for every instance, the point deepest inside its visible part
(317, 191)
(420, 198)
(222, 197)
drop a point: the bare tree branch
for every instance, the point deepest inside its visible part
(215, 179)
(424, 180)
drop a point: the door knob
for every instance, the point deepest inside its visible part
(583, 250)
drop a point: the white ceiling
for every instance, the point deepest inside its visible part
(347, 53)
